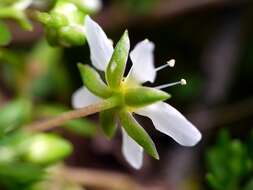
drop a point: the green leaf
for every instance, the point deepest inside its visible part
(17, 174)
(142, 96)
(5, 35)
(45, 149)
(135, 131)
(116, 67)
(224, 173)
(18, 15)
(93, 82)
(14, 114)
(108, 122)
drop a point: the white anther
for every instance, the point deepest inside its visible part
(171, 62)
(183, 82)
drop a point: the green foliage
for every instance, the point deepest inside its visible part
(5, 35)
(18, 175)
(228, 164)
(14, 114)
(45, 149)
(49, 77)
(16, 10)
(14, 172)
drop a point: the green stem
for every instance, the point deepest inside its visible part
(73, 114)
(18, 15)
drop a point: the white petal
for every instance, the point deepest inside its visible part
(142, 56)
(171, 122)
(132, 151)
(83, 97)
(101, 48)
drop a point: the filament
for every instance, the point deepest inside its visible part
(181, 82)
(170, 63)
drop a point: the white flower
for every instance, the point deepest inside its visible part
(165, 118)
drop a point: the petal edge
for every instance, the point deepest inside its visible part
(171, 122)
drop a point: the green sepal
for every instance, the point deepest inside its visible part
(93, 82)
(135, 131)
(108, 122)
(45, 149)
(143, 96)
(116, 67)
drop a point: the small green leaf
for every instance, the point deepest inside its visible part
(93, 82)
(5, 35)
(108, 122)
(17, 174)
(14, 114)
(116, 67)
(24, 22)
(142, 96)
(135, 131)
(45, 149)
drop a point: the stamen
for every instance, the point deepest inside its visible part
(170, 63)
(181, 82)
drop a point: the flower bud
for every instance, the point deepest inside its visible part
(46, 149)
(64, 24)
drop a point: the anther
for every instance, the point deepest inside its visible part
(170, 63)
(181, 82)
